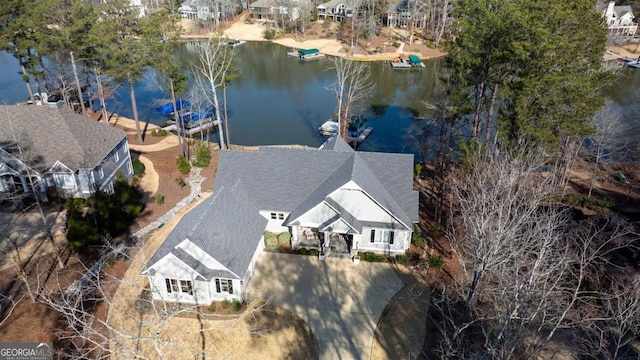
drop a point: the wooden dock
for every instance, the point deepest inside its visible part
(191, 130)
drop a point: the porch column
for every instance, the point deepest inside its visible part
(25, 184)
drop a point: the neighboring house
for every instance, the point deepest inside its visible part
(61, 150)
(401, 13)
(138, 7)
(275, 9)
(333, 199)
(620, 20)
(337, 10)
(197, 9)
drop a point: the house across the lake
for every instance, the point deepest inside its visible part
(43, 148)
(620, 20)
(333, 199)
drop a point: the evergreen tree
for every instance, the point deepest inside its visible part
(537, 64)
(118, 34)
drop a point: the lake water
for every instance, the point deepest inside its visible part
(279, 100)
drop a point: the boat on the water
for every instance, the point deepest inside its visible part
(167, 109)
(357, 131)
(235, 42)
(192, 119)
(407, 62)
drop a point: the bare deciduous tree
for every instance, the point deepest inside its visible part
(215, 60)
(137, 326)
(351, 85)
(526, 270)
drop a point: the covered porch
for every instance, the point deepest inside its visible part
(329, 243)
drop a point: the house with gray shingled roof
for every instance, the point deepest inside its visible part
(333, 199)
(58, 149)
(620, 20)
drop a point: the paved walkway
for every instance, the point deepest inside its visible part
(340, 301)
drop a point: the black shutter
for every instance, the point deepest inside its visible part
(373, 235)
(217, 285)
(168, 283)
(230, 286)
(391, 237)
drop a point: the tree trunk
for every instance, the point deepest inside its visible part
(78, 87)
(25, 76)
(477, 113)
(135, 108)
(490, 124)
(226, 119)
(103, 105)
(176, 117)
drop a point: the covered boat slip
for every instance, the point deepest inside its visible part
(407, 62)
(306, 54)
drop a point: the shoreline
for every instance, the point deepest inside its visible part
(254, 33)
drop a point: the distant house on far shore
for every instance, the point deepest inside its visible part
(196, 9)
(45, 148)
(620, 20)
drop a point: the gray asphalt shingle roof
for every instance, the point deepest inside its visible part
(294, 180)
(58, 135)
(227, 226)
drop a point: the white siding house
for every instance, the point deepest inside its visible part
(61, 150)
(333, 199)
(620, 20)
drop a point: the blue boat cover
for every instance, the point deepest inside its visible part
(167, 108)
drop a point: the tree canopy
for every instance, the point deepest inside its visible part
(536, 64)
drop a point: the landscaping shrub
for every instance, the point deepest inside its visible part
(417, 170)
(183, 164)
(226, 304)
(213, 308)
(270, 239)
(396, 44)
(438, 231)
(313, 252)
(180, 181)
(402, 259)
(436, 261)
(303, 251)
(138, 167)
(159, 132)
(159, 199)
(270, 34)
(416, 238)
(237, 305)
(107, 216)
(284, 238)
(203, 154)
(372, 257)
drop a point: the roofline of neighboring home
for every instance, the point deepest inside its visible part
(21, 162)
(104, 157)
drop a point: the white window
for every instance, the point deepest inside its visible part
(129, 168)
(224, 286)
(116, 156)
(177, 286)
(382, 236)
(101, 172)
(65, 181)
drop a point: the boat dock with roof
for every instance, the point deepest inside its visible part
(308, 54)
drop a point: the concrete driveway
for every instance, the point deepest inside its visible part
(340, 301)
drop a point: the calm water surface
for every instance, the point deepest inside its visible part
(280, 100)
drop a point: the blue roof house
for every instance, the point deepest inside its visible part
(333, 199)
